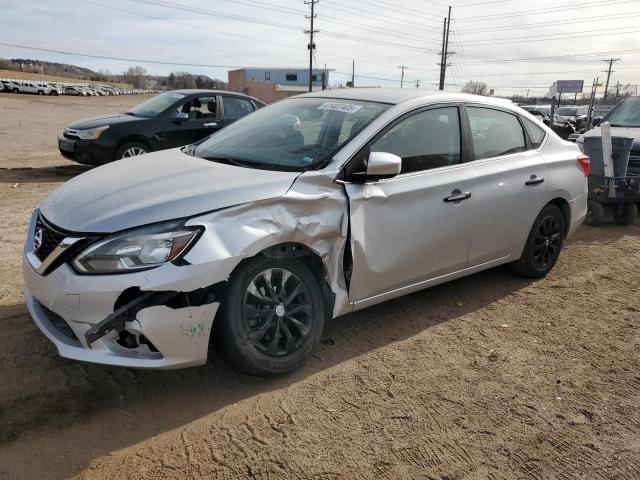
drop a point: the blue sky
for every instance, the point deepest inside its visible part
(379, 34)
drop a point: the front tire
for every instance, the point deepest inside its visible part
(131, 149)
(272, 317)
(543, 245)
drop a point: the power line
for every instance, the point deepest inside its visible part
(216, 13)
(541, 11)
(552, 57)
(375, 16)
(521, 26)
(554, 37)
(482, 3)
(412, 11)
(123, 59)
(254, 39)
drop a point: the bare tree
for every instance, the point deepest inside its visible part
(136, 76)
(476, 88)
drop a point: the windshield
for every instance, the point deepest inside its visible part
(627, 114)
(567, 111)
(295, 134)
(156, 105)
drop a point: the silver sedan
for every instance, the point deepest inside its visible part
(305, 210)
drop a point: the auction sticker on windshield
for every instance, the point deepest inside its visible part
(340, 107)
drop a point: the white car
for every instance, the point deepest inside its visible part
(73, 90)
(307, 209)
(37, 88)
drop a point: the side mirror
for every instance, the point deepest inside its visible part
(181, 116)
(383, 165)
(597, 121)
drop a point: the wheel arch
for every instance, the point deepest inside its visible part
(310, 258)
(565, 208)
(131, 138)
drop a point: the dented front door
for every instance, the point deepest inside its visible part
(409, 229)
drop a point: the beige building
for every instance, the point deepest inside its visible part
(271, 85)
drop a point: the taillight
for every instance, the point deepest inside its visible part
(585, 163)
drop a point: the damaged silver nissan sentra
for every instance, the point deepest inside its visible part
(303, 211)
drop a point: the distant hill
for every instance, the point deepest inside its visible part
(136, 76)
(48, 68)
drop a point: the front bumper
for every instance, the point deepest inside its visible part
(87, 152)
(65, 305)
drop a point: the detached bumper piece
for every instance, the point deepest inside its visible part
(116, 320)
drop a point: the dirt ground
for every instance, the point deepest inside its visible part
(491, 376)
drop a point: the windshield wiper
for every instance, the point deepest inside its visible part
(232, 161)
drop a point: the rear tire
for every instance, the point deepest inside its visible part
(271, 318)
(595, 213)
(543, 245)
(131, 149)
(625, 213)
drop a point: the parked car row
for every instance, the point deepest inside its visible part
(38, 87)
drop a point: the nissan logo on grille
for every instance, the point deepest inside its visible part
(38, 237)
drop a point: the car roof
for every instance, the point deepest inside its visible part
(396, 96)
(195, 91)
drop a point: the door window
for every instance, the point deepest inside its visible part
(429, 139)
(235, 107)
(536, 134)
(495, 133)
(201, 107)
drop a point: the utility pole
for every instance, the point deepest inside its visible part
(353, 73)
(403, 68)
(445, 49)
(527, 94)
(444, 36)
(594, 89)
(417, 83)
(611, 62)
(312, 46)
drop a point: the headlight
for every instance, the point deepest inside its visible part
(137, 249)
(91, 133)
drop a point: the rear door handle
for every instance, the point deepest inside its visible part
(210, 125)
(534, 180)
(457, 196)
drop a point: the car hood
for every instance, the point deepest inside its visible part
(112, 119)
(618, 132)
(156, 187)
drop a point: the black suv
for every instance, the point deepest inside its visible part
(168, 120)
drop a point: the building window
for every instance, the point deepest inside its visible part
(292, 77)
(315, 77)
(267, 75)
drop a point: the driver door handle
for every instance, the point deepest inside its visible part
(210, 124)
(534, 180)
(457, 196)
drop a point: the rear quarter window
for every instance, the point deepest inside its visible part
(535, 132)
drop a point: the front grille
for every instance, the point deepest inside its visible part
(59, 323)
(51, 238)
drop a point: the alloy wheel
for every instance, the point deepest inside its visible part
(547, 242)
(277, 312)
(133, 151)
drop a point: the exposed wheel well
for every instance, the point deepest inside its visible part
(312, 260)
(564, 207)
